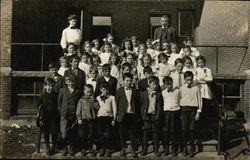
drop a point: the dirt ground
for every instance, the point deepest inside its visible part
(20, 143)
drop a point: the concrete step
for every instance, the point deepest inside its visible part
(149, 156)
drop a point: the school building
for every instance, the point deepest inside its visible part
(31, 32)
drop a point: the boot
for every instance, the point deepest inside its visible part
(65, 147)
(191, 150)
(185, 150)
(165, 150)
(156, 150)
(48, 149)
(102, 152)
(174, 150)
(108, 153)
(83, 153)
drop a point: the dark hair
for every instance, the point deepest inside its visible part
(72, 16)
(106, 67)
(188, 74)
(53, 65)
(89, 86)
(126, 64)
(107, 44)
(125, 75)
(153, 79)
(71, 58)
(147, 69)
(48, 81)
(109, 35)
(123, 44)
(188, 47)
(162, 55)
(178, 60)
(189, 39)
(165, 16)
(201, 58)
(146, 55)
(114, 55)
(167, 80)
(185, 58)
(96, 56)
(105, 85)
(93, 68)
(71, 44)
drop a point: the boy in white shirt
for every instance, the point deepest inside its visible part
(191, 106)
(171, 116)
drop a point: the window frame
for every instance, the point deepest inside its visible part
(179, 23)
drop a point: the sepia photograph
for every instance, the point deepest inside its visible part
(125, 79)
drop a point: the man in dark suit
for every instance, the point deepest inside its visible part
(67, 103)
(165, 33)
(151, 110)
(112, 81)
(128, 112)
(80, 75)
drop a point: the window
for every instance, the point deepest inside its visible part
(101, 26)
(155, 22)
(185, 23)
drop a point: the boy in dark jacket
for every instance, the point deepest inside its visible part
(67, 103)
(151, 110)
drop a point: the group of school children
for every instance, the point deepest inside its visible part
(107, 95)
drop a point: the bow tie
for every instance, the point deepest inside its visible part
(189, 86)
(170, 90)
(72, 27)
(128, 89)
(152, 93)
(103, 98)
(93, 80)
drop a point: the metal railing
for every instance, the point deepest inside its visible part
(205, 46)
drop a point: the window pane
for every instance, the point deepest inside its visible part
(155, 21)
(186, 23)
(102, 21)
(26, 57)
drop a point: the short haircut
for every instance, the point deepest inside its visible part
(109, 35)
(127, 75)
(189, 39)
(71, 58)
(140, 46)
(165, 17)
(72, 16)
(105, 85)
(167, 80)
(107, 44)
(162, 55)
(106, 67)
(188, 74)
(93, 68)
(153, 79)
(48, 81)
(96, 57)
(63, 58)
(53, 65)
(201, 58)
(185, 58)
(124, 65)
(147, 69)
(85, 54)
(71, 77)
(89, 86)
(178, 60)
(94, 41)
(71, 44)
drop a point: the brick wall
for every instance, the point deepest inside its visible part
(226, 23)
(6, 22)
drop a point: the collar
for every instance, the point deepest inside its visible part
(189, 86)
(72, 27)
(127, 88)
